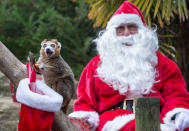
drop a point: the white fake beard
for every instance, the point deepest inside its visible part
(128, 69)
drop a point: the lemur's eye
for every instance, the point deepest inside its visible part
(44, 45)
(53, 45)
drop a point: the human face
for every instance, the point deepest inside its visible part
(126, 29)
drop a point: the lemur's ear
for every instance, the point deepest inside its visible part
(59, 45)
(44, 41)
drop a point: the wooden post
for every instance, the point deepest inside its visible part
(147, 114)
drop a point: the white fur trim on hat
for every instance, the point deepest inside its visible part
(118, 19)
(92, 116)
(170, 124)
(49, 101)
(118, 122)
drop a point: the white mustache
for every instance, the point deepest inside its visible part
(126, 40)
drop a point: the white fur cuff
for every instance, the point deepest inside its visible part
(167, 127)
(170, 124)
(50, 101)
(92, 116)
(170, 114)
(118, 122)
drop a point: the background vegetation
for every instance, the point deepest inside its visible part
(24, 24)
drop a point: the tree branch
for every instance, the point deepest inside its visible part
(11, 66)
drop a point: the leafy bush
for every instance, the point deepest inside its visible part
(24, 24)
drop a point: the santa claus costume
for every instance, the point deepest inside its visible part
(120, 72)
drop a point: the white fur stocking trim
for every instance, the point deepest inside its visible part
(170, 124)
(92, 116)
(49, 101)
(118, 122)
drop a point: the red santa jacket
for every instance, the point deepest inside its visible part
(94, 95)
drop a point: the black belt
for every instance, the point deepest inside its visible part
(125, 104)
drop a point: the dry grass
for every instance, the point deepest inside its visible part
(9, 114)
(9, 111)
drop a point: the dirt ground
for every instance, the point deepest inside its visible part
(9, 111)
(9, 114)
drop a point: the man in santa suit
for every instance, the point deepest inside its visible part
(129, 66)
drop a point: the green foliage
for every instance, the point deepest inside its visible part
(101, 10)
(166, 45)
(24, 24)
(160, 10)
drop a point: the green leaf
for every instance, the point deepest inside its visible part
(157, 7)
(136, 2)
(160, 19)
(145, 5)
(185, 8)
(149, 7)
(149, 21)
(140, 4)
(180, 13)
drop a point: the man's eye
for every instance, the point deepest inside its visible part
(53, 46)
(132, 27)
(44, 45)
(120, 29)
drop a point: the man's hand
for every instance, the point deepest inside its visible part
(91, 117)
(182, 121)
(86, 124)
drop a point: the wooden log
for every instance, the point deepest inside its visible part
(11, 66)
(63, 123)
(15, 71)
(147, 114)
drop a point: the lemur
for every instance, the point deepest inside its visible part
(55, 71)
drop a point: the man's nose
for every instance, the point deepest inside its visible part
(126, 32)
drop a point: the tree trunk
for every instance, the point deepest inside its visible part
(11, 66)
(15, 71)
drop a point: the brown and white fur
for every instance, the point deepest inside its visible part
(55, 71)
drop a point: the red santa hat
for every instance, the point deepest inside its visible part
(127, 13)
